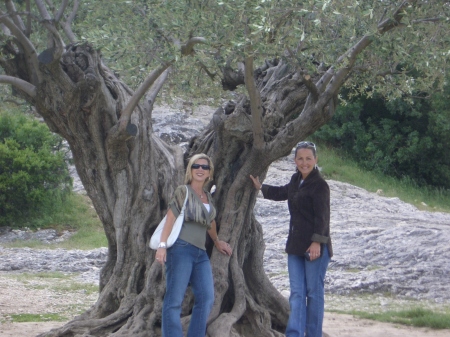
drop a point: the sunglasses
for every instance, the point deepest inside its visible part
(204, 167)
(307, 144)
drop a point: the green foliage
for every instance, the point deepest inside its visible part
(43, 275)
(75, 214)
(396, 138)
(22, 318)
(388, 308)
(416, 317)
(33, 174)
(82, 217)
(137, 35)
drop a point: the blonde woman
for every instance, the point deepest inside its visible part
(186, 261)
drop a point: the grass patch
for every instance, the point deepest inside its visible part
(283, 272)
(22, 318)
(42, 275)
(60, 282)
(79, 215)
(390, 308)
(417, 317)
(76, 214)
(337, 166)
(65, 296)
(86, 288)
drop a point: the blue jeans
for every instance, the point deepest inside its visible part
(187, 264)
(307, 302)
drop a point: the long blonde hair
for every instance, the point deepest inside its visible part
(194, 158)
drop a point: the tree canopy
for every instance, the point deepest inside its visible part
(135, 36)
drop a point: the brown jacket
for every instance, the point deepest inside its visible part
(309, 207)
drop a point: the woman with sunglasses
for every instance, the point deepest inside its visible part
(309, 243)
(186, 261)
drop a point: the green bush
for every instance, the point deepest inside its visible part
(403, 140)
(33, 173)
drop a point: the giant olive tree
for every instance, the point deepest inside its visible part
(304, 52)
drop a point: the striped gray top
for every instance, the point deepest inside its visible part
(197, 219)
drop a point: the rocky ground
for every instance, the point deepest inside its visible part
(381, 245)
(388, 255)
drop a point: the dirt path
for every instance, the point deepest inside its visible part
(32, 295)
(336, 325)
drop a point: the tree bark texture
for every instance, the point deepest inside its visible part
(130, 180)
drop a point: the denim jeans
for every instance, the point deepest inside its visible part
(307, 303)
(187, 264)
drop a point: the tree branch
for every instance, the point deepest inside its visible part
(205, 68)
(428, 20)
(255, 103)
(13, 12)
(10, 100)
(231, 78)
(362, 44)
(43, 10)
(188, 47)
(125, 117)
(315, 114)
(354, 51)
(299, 47)
(5, 29)
(306, 78)
(57, 39)
(382, 17)
(280, 21)
(391, 23)
(139, 93)
(28, 30)
(30, 51)
(22, 85)
(58, 15)
(61, 10)
(67, 25)
(155, 89)
(49, 25)
(69, 20)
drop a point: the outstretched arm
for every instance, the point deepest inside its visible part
(161, 252)
(221, 246)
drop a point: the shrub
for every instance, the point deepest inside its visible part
(396, 138)
(33, 173)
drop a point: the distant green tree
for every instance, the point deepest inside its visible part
(395, 137)
(439, 129)
(33, 173)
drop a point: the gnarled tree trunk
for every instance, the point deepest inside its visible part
(130, 174)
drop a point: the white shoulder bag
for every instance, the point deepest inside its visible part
(156, 237)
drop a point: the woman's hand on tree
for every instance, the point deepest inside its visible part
(223, 247)
(256, 182)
